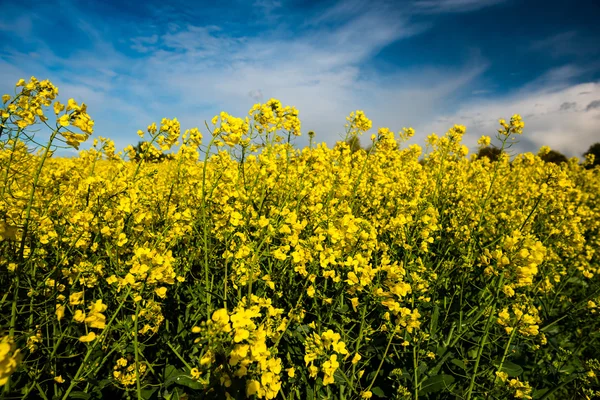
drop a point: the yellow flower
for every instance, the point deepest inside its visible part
(72, 105)
(366, 394)
(241, 334)
(88, 338)
(356, 358)
(502, 375)
(161, 292)
(5, 98)
(60, 311)
(291, 372)
(59, 379)
(354, 302)
(64, 120)
(252, 388)
(9, 359)
(310, 291)
(331, 365)
(339, 347)
(58, 107)
(76, 298)
(221, 316)
(79, 316)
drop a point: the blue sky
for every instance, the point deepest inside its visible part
(423, 63)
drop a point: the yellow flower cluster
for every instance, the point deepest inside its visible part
(77, 116)
(522, 389)
(324, 348)
(170, 130)
(515, 126)
(272, 116)
(26, 108)
(232, 130)
(358, 123)
(519, 256)
(245, 342)
(93, 319)
(9, 359)
(150, 315)
(278, 258)
(525, 319)
(125, 372)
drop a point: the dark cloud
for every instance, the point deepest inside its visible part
(593, 105)
(567, 105)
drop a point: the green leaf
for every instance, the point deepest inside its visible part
(179, 377)
(434, 319)
(148, 393)
(171, 372)
(187, 381)
(539, 393)
(436, 383)
(176, 394)
(472, 353)
(569, 369)
(378, 392)
(512, 369)
(422, 368)
(80, 395)
(440, 350)
(310, 394)
(459, 363)
(103, 383)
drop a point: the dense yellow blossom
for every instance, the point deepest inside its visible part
(232, 263)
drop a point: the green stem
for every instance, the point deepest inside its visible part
(510, 339)
(387, 348)
(360, 334)
(91, 348)
(136, 350)
(415, 372)
(179, 356)
(483, 341)
(36, 179)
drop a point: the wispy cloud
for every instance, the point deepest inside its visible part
(569, 43)
(321, 61)
(453, 6)
(268, 8)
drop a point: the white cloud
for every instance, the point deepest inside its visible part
(193, 72)
(453, 6)
(570, 130)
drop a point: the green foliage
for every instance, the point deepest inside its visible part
(554, 157)
(595, 151)
(140, 152)
(492, 153)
